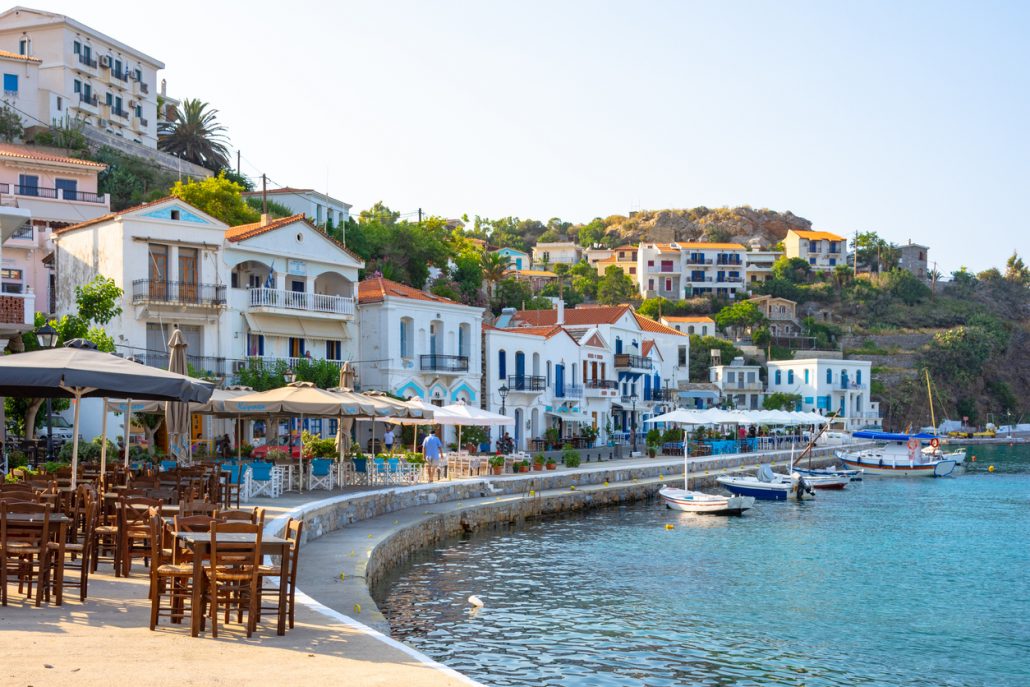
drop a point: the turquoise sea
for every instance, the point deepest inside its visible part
(890, 582)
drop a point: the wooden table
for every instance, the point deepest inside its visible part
(61, 521)
(200, 544)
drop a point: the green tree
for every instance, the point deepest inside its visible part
(10, 124)
(1016, 270)
(779, 400)
(493, 266)
(218, 197)
(794, 270)
(512, 293)
(99, 300)
(905, 286)
(615, 287)
(584, 279)
(195, 135)
(592, 233)
(741, 317)
(467, 275)
(875, 252)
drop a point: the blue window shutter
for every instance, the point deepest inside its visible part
(502, 365)
(11, 83)
(778, 376)
(790, 376)
(261, 344)
(858, 377)
(829, 375)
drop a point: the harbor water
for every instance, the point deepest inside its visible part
(891, 582)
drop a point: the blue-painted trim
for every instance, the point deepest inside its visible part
(411, 389)
(184, 215)
(463, 387)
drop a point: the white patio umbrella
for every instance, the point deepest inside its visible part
(461, 414)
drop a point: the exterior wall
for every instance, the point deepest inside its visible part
(821, 254)
(681, 270)
(759, 265)
(518, 259)
(382, 364)
(558, 252)
(701, 326)
(52, 40)
(827, 386)
(26, 99)
(740, 385)
(914, 258)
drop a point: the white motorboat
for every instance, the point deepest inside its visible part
(903, 455)
(699, 502)
(767, 485)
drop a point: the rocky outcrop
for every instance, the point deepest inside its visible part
(741, 225)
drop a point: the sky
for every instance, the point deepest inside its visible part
(908, 119)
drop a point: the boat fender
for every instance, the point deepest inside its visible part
(668, 526)
(990, 468)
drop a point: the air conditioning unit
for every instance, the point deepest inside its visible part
(105, 60)
(132, 104)
(132, 75)
(238, 366)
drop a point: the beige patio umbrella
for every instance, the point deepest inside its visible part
(177, 413)
(345, 425)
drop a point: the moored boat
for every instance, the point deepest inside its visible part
(709, 504)
(767, 485)
(826, 481)
(903, 455)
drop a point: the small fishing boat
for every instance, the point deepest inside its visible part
(852, 475)
(767, 485)
(825, 480)
(708, 504)
(903, 455)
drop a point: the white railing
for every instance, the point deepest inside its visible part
(300, 300)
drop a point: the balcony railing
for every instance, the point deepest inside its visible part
(626, 360)
(178, 293)
(143, 121)
(54, 193)
(729, 261)
(662, 395)
(301, 300)
(117, 112)
(444, 363)
(121, 76)
(144, 88)
(601, 384)
(88, 99)
(526, 383)
(23, 232)
(699, 261)
(568, 391)
(87, 61)
(850, 384)
(35, 191)
(206, 366)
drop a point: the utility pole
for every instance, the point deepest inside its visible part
(420, 215)
(855, 249)
(264, 194)
(237, 163)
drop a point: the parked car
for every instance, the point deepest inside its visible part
(62, 430)
(261, 452)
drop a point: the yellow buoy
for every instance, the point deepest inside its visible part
(357, 608)
(661, 477)
(668, 526)
(531, 492)
(341, 577)
(990, 469)
(572, 488)
(370, 536)
(606, 483)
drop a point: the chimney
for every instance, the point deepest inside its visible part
(264, 219)
(559, 305)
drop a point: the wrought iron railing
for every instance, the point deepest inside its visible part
(180, 293)
(301, 300)
(624, 360)
(601, 384)
(526, 383)
(444, 363)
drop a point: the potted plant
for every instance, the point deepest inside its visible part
(551, 437)
(497, 464)
(524, 466)
(570, 456)
(589, 435)
(551, 464)
(538, 462)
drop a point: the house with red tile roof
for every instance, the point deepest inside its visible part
(320, 208)
(822, 250)
(685, 269)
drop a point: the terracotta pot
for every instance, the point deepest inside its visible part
(497, 469)
(523, 468)
(538, 466)
(552, 466)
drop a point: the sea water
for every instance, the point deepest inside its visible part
(890, 582)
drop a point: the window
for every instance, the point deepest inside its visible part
(10, 84)
(109, 99)
(858, 377)
(407, 337)
(12, 280)
(60, 103)
(24, 46)
(76, 48)
(633, 269)
(255, 344)
(28, 185)
(67, 188)
(682, 356)
(829, 376)
(811, 261)
(333, 350)
(296, 347)
(502, 365)
(731, 376)
(690, 329)
(139, 75)
(650, 284)
(790, 376)
(139, 111)
(779, 377)
(668, 285)
(650, 263)
(76, 86)
(806, 379)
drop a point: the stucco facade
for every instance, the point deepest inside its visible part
(827, 386)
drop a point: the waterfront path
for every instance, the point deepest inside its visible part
(339, 635)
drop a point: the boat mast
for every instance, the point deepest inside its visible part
(686, 452)
(929, 395)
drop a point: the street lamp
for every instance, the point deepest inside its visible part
(503, 391)
(290, 376)
(633, 422)
(47, 338)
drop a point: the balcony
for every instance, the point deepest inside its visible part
(850, 384)
(636, 362)
(662, 395)
(142, 122)
(87, 61)
(204, 366)
(596, 388)
(161, 292)
(698, 261)
(88, 99)
(54, 193)
(531, 383)
(144, 88)
(568, 391)
(730, 387)
(729, 261)
(121, 76)
(124, 114)
(281, 299)
(443, 363)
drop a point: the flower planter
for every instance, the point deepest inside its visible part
(523, 468)
(552, 466)
(497, 469)
(538, 466)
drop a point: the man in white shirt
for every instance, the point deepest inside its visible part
(388, 440)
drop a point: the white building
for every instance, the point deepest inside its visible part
(319, 208)
(740, 385)
(556, 252)
(415, 343)
(759, 265)
(518, 259)
(827, 386)
(682, 270)
(820, 249)
(254, 294)
(550, 380)
(82, 74)
(17, 310)
(701, 325)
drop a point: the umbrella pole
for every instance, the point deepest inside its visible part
(300, 455)
(239, 439)
(75, 439)
(128, 422)
(103, 442)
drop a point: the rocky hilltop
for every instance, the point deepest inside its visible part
(740, 225)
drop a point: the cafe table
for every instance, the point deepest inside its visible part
(59, 538)
(200, 544)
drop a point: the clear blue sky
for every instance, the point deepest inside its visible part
(910, 119)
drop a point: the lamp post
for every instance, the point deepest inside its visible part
(503, 391)
(47, 338)
(633, 422)
(290, 376)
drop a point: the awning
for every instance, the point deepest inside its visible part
(323, 329)
(271, 325)
(571, 416)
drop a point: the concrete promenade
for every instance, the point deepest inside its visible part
(354, 535)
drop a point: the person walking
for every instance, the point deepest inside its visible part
(388, 440)
(432, 447)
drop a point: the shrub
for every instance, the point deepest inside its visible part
(570, 456)
(496, 461)
(539, 459)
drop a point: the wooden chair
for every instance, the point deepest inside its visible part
(78, 555)
(23, 548)
(134, 529)
(232, 573)
(286, 571)
(166, 574)
(255, 516)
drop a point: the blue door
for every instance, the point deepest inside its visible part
(69, 186)
(618, 345)
(559, 380)
(520, 366)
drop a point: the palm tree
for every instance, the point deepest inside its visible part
(494, 266)
(196, 136)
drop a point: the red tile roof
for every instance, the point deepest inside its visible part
(12, 150)
(698, 318)
(646, 347)
(583, 315)
(16, 56)
(376, 289)
(649, 325)
(246, 231)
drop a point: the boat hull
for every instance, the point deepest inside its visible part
(889, 468)
(762, 491)
(706, 504)
(827, 481)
